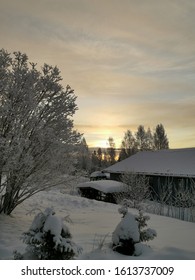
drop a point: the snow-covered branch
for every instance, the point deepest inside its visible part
(36, 128)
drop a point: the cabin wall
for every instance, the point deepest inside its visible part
(172, 189)
(166, 188)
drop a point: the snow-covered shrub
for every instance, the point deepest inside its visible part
(17, 255)
(126, 233)
(130, 231)
(146, 234)
(49, 238)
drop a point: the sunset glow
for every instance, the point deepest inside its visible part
(129, 62)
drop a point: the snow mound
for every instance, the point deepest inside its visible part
(126, 229)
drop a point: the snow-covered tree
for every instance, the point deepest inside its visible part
(37, 138)
(48, 238)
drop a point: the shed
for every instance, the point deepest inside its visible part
(104, 190)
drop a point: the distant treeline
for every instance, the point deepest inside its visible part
(91, 159)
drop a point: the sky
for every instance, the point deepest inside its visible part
(130, 62)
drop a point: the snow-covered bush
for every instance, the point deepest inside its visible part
(49, 238)
(126, 235)
(130, 231)
(146, 234)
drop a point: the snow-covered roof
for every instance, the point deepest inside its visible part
(97, 174)
(171, 162)
(105, 186)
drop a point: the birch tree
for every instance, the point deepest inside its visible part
(37, 136)
(128, 145)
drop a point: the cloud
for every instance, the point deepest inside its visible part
(130, 62)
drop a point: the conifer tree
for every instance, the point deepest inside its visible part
(48, 238)
(160, 138)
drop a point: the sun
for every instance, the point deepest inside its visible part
(102, 143)
(99, 138)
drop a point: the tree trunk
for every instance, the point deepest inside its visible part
(8, 204)
(8, 201)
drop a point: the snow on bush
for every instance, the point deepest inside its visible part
(146, 234)
(130, 231)
(49, 239)
(126, 235)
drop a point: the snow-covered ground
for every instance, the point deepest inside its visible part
(92, 225)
